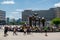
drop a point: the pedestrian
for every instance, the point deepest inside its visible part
(45, 29)
(25, 30)
(5, 31)
(14, 31)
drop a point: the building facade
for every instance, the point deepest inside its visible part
(48, 14)
(2, 17)
(58, 12)
(26, 14)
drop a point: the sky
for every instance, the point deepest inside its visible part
(14, 8)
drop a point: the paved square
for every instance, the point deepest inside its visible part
(32, 36)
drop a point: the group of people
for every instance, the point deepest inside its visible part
(6, 29)
(25, 30)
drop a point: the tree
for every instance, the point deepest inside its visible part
(2, 22)
(21, 23)
(56, 21)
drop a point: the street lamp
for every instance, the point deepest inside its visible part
(30, 21)
(35, 14)
(39, 19)
(35, 20)
(43, 21)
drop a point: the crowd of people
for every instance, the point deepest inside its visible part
(27, 29)
(15, 29)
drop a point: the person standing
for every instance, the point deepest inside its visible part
(5, 31)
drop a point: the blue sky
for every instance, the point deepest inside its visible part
(14, 8)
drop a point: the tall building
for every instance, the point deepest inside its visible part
(26, 14)
(58, 12)
(48, 14)
(19, 20)
(2, 17)
(7, 20)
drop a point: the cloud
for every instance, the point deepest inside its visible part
(32, 9)
(28, 8)
(15, 15)
(15, 12)
(8, 2)
(20, 10)
(57, 4)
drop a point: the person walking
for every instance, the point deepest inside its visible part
(14, 31)
(28, 30)
(45, 29)
(25, 30)
(5, 31)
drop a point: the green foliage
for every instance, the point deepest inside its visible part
(16, 23)
(12, 23)
(56, 21)
(21, 23)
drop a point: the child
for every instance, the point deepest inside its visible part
(45, 29)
